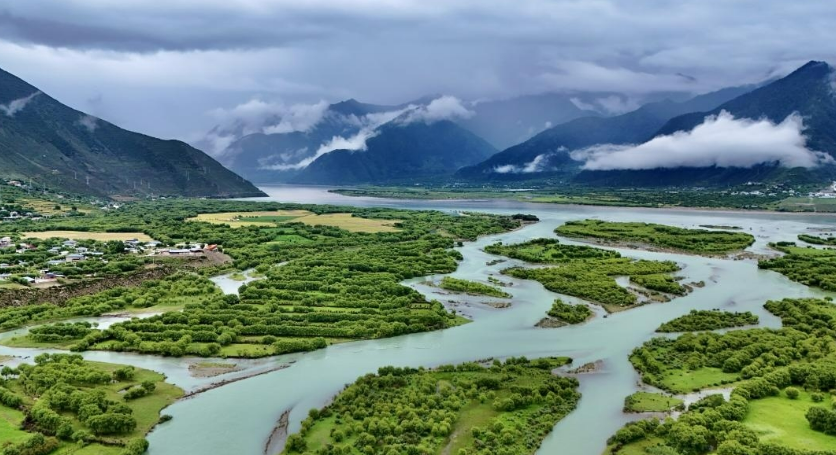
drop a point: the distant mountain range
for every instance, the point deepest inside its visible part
(668, 127)
(400, 150)
(520, 162)
(48, 143)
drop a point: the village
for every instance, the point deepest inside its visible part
(46, 261)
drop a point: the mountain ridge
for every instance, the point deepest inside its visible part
(401, 150)
(43, 140)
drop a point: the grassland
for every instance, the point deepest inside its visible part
(11, 421)
(345, 221)
(84, 235)
(651, 402)
(780, 419)
(685, 381)
(255, 218)
(696, 241)
(806, 204)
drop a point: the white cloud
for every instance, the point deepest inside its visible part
(356, 141)
(216, 144)
(580, 104)
(536, 165)
(89, 122)
(443, 108)
(15, 106)
(252, 116)
(299, 117)
(720, 140)
(615, 105)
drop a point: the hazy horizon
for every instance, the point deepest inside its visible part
(176, 70)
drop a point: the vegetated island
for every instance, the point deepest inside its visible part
(471, 408)
(652, 402)
(781, 401)
(806, 265)
(471, 287)
(562, 313)
(699, 320)
(817, 240)
(62, 402)
(670, 238)
(589, 273)
(323, 283)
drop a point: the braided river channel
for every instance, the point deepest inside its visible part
(239, 417)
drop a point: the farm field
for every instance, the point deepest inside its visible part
(86, 235)
(267, 218)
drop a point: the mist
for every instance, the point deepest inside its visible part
(15, 106)
(720, 141)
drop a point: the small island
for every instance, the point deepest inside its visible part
(471, 408)
(471, 288)
(652, 402)
(589, 273)
(698, 320)
(562, 313)
(659, 236)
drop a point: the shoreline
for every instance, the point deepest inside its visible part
(224, 382)
(695, 209)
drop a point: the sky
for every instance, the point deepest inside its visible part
(175, 68)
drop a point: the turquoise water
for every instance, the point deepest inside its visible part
(238, 418)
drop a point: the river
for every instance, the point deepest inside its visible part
(239, 417)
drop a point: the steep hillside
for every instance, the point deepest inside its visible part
(51, 144)
(400, 152)
(808, 91)
(553, 145)
(508, 122)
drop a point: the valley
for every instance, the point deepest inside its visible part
(585, 337)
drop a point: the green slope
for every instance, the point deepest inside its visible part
(54, 145)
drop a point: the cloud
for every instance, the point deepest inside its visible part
(15, 106)
(216, 144)
(536, 165)
(161, 66)
(89, 122)
(257, 115)
(357, 141)
(299, 117)
(442, 108)
(615, 105)
(721, 141)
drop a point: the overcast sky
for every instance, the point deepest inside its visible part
(163, 67)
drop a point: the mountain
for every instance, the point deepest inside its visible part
(808, 91)
(54, 145)
(265, 157)
(401, 150)
(548, 152)
(508, 122)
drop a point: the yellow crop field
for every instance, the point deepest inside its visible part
(80, 235)
(340, 220)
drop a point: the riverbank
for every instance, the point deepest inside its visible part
(515, 197)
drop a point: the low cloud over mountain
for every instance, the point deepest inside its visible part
(720, 141)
